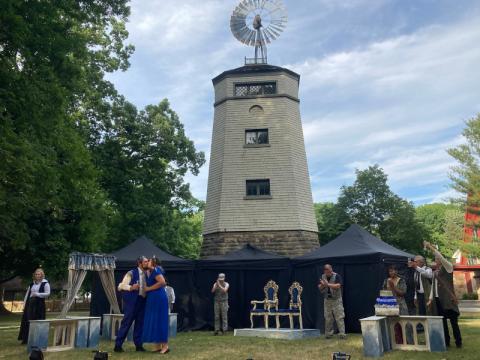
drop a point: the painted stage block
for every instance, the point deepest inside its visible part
(81, 334)
(436, 336)
(285, 334)
(111, 324)
(106, 326)
(87, 331)
(38, 334)
(172, 326)
(375, 336)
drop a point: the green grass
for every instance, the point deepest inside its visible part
(203, 345)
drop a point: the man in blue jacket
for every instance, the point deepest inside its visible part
(133, 294)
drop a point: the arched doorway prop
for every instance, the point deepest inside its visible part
(385, 333)
(76, 331)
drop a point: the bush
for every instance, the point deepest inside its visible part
(470, 296)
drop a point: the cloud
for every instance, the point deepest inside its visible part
(399, 103)
(382, 82)
(173, 24)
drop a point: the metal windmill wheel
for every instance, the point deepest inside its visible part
(258, 22)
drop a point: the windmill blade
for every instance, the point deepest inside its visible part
(273, 17)
(279, 22)
(244, 35)
(265, 36)
(251, 38)
(274, 31)
(272, 36)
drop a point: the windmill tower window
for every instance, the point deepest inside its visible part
(256, 138)
(253, 89)
(258, 189)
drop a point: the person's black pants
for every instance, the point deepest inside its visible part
(453, 317)
(422, 308)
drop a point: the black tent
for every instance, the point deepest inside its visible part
(247, 271)
(179, 274)
(361, 259)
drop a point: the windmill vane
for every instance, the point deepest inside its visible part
(257, 23)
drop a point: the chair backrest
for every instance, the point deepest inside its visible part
(271, 291)
(295, 291)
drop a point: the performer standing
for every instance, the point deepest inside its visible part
(423, 283)
(170, 295)
(133, 294)
(398, 287)
(220, 305)
(331, 287)
(155, 327)
(34, 303)
(443, 293)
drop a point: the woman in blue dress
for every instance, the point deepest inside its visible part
(155, 326)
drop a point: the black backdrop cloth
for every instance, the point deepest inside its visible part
(179, 273)
(247, 271)
(362, 260)
(359, 257)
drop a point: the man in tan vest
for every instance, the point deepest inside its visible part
(220, 294)
(330, 286)
(443, 295)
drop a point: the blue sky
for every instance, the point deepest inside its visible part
(382, 81)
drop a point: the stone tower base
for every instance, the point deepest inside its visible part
(287, 242)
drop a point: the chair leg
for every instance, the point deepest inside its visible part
(277, 322)
(251, 320)
(300, 321)
(266, 321)
(290, 318)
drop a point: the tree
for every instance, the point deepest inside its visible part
(143, 157)
(465, 178)
(444, 224)
(370, 203)
(331, 221)
(53, 56)
(466, 175)
(369, 200)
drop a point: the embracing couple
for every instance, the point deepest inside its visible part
(145, 302)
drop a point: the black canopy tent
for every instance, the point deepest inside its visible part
(357, 255)
(179, 274)
(361, 259)
(247, 271)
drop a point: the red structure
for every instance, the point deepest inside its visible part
(471, 234)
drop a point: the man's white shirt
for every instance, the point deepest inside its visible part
(425, 272)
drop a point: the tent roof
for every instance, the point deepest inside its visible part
(353, 242)
(246, 253)
(127, 256)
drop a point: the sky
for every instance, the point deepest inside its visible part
(388, 82)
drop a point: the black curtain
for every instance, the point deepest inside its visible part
(181, 280)
(362, 276)
(362, 280)
(246, 279)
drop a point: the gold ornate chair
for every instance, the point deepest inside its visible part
(295, 307)
(269, 306)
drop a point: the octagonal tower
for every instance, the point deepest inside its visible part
(258, 185)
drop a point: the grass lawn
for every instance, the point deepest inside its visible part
(202, 345)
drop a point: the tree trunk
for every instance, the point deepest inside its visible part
(3, 309)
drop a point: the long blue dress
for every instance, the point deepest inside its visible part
(155, 326)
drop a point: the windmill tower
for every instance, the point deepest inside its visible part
(258, 184)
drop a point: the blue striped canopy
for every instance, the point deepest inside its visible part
(95, 262)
